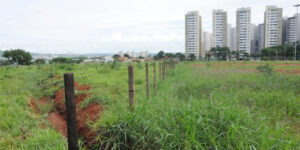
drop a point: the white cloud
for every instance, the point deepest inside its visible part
(79, 26)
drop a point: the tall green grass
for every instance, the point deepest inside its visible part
(206, 107)
(20, 128)
(209, 108)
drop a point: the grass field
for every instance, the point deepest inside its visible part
(200, 105)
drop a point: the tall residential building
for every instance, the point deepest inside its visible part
(207, 41)
(243, 29)
(285, 30)
(254, 39)
(261, 37)
(273, 26)
(293, 29)
(231, 38)
(219, 28)
(193, 34)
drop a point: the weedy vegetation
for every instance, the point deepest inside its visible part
(200, 105)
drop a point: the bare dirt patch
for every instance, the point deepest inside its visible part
(289, 71)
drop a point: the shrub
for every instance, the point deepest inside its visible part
(265, 69)
(115, 65)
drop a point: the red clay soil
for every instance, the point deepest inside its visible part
(58, 118)
(289, 71)
(42, 101)
(59, 122)
(59, 101)
(286, 64)
(91, 112)
(32, 104)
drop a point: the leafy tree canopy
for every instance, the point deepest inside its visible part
(126, 55)
(61, 60)
(159, 55)
(192, 57)
(180, 56)
(116, 56)
(18, 56)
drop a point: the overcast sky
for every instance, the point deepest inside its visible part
(98, 26)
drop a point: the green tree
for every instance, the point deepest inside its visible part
(246, 56)
(116, 56)
(180, 56)
(170, 55)
(61, 60)
(280, 52)
(221, 53)
(159, 55)
(192, 57)
(18, 56)
(126, 55)
(40, 61)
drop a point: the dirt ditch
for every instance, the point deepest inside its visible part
(57, 115)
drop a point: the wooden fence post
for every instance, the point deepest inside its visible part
(154, 78)
(164, 70)
(160, 68)
(71, 111)
(131, 87)
(147, 81)
(173, 65)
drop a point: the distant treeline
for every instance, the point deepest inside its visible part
(281, 52)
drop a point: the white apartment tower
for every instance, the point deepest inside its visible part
(193, 34)
(207, 41)
(273, 26)
(243, 29)
(219, 28)
(231, 37)
(293, 28)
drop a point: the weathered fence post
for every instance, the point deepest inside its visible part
(154, 78)
(71, 111)
(164, 70)
(131, 87)
(173, 65)
(147, 81)
(160, 68)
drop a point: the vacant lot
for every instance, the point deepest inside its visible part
(200, 105)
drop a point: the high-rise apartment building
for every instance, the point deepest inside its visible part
(243, 29)
(261, 37)
(254, 50)
(285, 30)
(207, 41)
(193, 34)
(219, 28)
(293, 29)
(231, 38)
(273, 26)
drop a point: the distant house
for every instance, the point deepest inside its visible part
(94, 60)
(125, 59)
(108, 59)
(147, 59)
